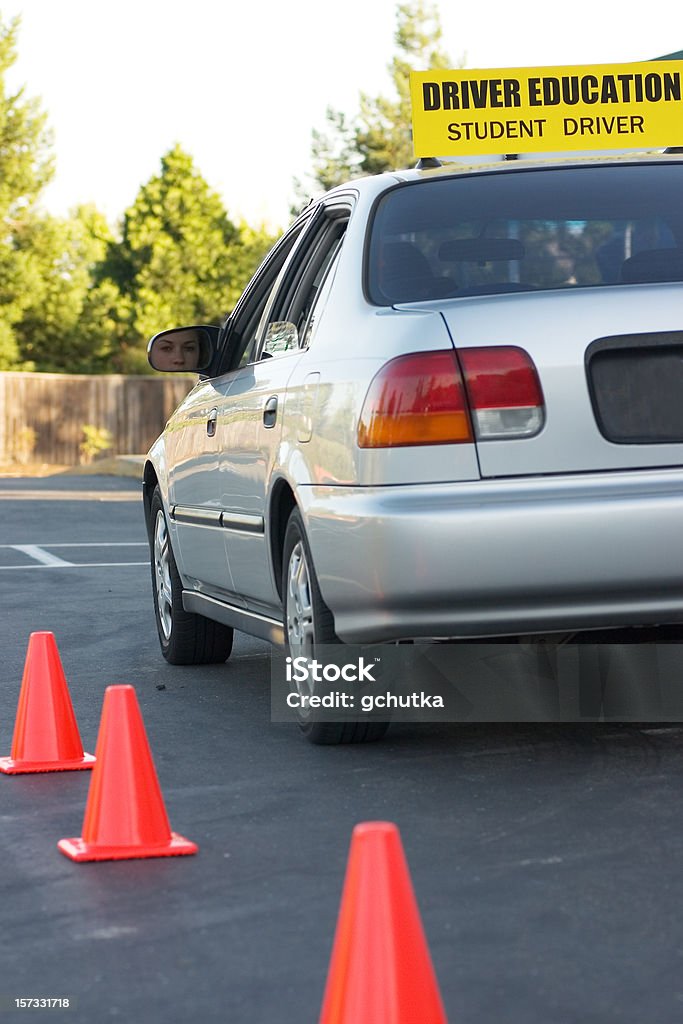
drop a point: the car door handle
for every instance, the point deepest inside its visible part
(270, 412)
(211, 423)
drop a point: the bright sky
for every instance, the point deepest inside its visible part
(241, 86)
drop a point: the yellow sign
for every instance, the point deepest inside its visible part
(528, 110)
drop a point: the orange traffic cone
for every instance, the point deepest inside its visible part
(46, 737)
(380, 971)
(125, 815)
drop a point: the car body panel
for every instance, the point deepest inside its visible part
(249, 455)
(194, 488)
(556, 329)
(332, 454)
(497, 558)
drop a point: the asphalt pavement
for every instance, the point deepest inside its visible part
(546, 860)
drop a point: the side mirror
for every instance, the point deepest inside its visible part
(281, 336)
(183, 349)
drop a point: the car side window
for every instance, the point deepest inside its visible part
(243, 325)
(289, 319)
(321, 293)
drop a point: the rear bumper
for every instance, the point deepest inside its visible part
(502, 557)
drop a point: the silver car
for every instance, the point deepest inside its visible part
(448, 405)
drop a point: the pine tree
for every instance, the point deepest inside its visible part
(379, 137)
(173, 264)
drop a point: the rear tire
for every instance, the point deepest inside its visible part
(308, 623)
(185, 638)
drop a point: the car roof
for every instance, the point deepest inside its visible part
(377, 183)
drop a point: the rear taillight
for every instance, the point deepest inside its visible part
(415, 400)
(422, 398)
(503, 391)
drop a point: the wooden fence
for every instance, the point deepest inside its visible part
(43, 415)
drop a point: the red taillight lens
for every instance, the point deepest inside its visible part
(414, 400)
(504, 392)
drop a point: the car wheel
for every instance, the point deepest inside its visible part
(185, 638)
(309, 623)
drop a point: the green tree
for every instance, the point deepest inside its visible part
(73, 298)
(25, 168)
(378, 138)
(68, 324)
(172, 265)
(245, 255)
(180, 260)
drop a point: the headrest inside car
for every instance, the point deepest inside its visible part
(481, 250)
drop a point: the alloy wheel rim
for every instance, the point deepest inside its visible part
(299, 606)
(162, 576)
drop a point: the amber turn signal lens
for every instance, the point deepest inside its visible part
(416, 399)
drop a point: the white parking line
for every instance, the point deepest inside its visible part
(71, 565)
(43, 559)
(39, 554)
(87, 544)
(70, 496)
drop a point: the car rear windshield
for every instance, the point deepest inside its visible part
(527, 230)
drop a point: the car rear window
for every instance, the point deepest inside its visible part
(527, 230)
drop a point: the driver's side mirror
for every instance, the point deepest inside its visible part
(183, 349)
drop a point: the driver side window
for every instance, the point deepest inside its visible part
(244, 323)
(290, 321)
(319, 297)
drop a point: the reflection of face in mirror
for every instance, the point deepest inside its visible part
(177, 351)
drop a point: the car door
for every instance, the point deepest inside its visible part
(254, 407)
(203, 427)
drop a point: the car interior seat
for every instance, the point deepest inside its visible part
(653, 265)
(405, 274)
